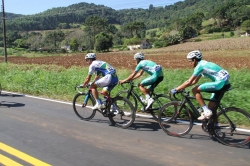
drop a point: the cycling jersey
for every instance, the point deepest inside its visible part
(149, 67)
(154, 70)
(211, 70)
(101, 68)
(218, 75)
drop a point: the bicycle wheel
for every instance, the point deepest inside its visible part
(233, 127)
(173, 121)
(122, 112)
(159, 101)
(83, 112)
(130, 97)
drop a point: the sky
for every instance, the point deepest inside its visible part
(28, 7)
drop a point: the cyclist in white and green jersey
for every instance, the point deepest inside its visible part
(105, 77)
(220, 82)
(150, 67)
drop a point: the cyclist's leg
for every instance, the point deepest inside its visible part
(102, 82)
(206, 87)
(112, 83)
(216, 97)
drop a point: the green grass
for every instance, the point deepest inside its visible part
(58, 83)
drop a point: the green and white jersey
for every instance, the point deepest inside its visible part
(149, 67)
(211, 70)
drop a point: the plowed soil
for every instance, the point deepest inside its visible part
(125, 60)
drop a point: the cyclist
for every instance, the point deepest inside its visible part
(105, 77)
(220, 82)
(150, 67)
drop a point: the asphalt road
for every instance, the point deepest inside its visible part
(50, 132)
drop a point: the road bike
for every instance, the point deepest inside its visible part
(131, 94)
(230, 126)
(119, 110)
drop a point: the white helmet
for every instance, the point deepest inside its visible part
(139, 55)
(194, 54)
(90, 56)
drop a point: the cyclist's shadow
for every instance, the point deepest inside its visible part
(145, 125)
(10, 104)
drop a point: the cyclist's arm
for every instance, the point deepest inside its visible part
(129, 77)
(86, 81)
(138, 74)
(191, 81)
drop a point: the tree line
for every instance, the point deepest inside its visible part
(98, 27)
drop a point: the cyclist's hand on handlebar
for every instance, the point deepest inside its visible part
(121, 81)
(173, 91)
(82, 86)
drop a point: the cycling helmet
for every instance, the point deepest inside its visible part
(139, 55)
(90, 56)
(194, 54)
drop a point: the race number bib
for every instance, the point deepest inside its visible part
(223, 74)
(157, 67)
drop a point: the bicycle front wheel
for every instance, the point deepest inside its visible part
(175, 121)
(122, 112)
(233, 127)
(158, 103)
(84, 112)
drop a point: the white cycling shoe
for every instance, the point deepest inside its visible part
(205, 115)
(98, 106)
(150, 101)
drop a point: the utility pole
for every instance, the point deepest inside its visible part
(4, 33)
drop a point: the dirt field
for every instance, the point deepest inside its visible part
(229, 53)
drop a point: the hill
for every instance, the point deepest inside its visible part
(153, 17)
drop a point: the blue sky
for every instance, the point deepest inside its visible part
(36, 6)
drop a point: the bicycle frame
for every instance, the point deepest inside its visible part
(131, 91)
(89, 94)
(187, 99)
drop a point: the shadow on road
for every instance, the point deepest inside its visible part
(145, 125)
(11, 104)
(11, 95)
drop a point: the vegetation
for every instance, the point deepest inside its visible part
(59, 82)
(97, 27)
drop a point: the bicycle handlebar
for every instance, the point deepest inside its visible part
(183, 92)
(128, 82)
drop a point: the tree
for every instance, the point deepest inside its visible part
(74, 45)
(103, 42)
(54, 37)
(246, 26)
(94, 25)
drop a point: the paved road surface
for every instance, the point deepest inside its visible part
(36, 130)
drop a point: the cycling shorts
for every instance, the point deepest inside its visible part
(108, 82)
(152, 81)
(217, 88)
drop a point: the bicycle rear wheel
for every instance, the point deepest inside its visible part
(129, 96)
(158, 103)
(173, 121)
(233, 127)
(122, 112)
(84, 112)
